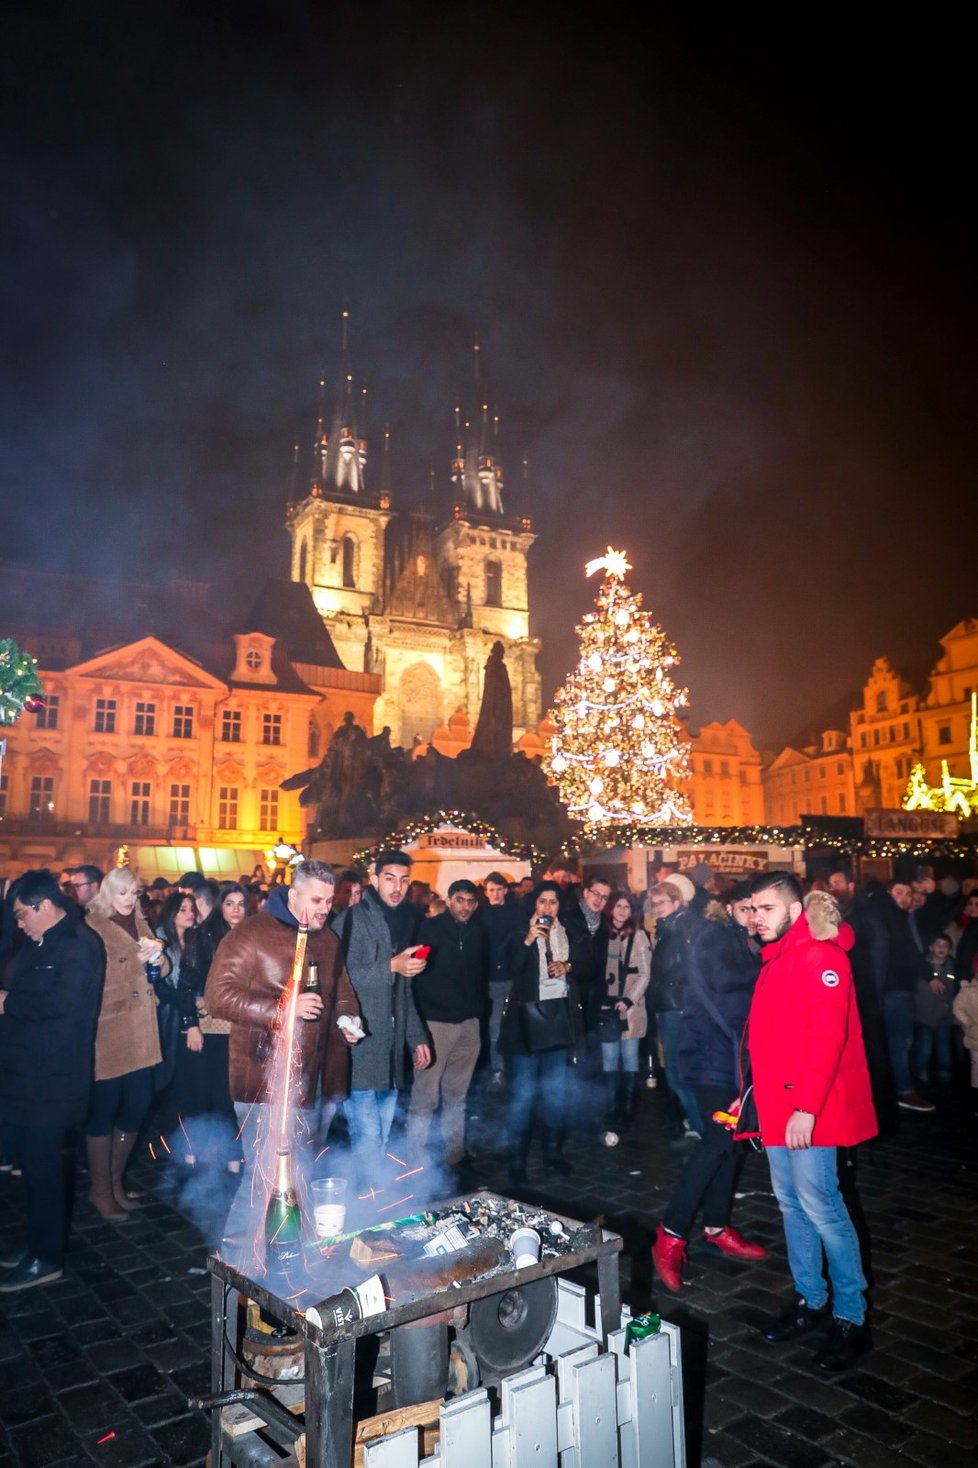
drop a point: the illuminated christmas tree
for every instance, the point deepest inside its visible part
(620, 754)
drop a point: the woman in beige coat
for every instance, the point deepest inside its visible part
(620, 1017)
(127, 1043)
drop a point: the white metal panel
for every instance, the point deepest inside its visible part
(533, 1423)
(595, 1397)
(399, 1450)
(466, 1429)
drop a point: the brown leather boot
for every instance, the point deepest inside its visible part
(122, 1145)
(100, 1193)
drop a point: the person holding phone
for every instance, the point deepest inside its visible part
(379, 939)
(544, 995)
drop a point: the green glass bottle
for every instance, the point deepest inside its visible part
(283, 1221)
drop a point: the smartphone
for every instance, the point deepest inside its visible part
(544, 922)
(422, 952)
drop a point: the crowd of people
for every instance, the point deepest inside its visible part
(795, 1017)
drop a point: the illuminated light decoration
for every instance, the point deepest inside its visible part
(20, 687)
(463, 820)
(610, 766)
(954, 795)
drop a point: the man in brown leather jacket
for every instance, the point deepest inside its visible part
(246, 985)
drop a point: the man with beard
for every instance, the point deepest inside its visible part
(811, 1087)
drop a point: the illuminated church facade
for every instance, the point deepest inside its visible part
(417, 597)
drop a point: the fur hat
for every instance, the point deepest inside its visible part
(683, 885)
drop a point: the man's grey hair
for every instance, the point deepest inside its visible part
(313, 871)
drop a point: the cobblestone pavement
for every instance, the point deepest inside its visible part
(97, 1367)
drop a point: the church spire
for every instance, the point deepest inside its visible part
(476, 473)
(340, 455)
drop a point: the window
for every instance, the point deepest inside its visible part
(312, 743)
(227, 807)
(145, 722)
(231, 726)
(180, 805)
(139, 804)
(708, 767)
(253, 659)
(794, 777)
(881, 703)
(3, 797)
(271, 728)
(943, 733)
(822, 772)
(842, 805)
(862, 740)
(268, 810)
(876, 736)
(808, 774)
(744, 775)
(303, 561)
(893, 734)
(42, 797)
(725, 769)
(494, 584)
(906, 731)
(183, 721)
(349, 560)
(840, 768)
(99, 800)
(47, 714)
(824, 799)
(105, 716)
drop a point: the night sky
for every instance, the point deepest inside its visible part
(720, 262)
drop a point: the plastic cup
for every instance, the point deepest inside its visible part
(329, 1206)
(525, 1247)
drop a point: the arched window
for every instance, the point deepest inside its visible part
(313, 740)
(303, 560)
(349, 561)
(494, 584)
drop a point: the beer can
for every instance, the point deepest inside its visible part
(640, 1327)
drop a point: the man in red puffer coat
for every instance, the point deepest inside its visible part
(811, 1086)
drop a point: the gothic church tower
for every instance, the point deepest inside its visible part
(417, 597)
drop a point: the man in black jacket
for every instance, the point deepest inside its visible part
(897, 964)
(48, 1017)
(452, 997)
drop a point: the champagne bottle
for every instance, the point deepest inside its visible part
(283, 1221)
(311, 986)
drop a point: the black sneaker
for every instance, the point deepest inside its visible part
(27, 1273)
(910, 1101)
(10, 1261)
(795, 1320)
(844, 1344)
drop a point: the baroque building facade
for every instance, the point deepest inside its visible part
(417, 598)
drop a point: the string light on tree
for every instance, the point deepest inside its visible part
(20, 687)
(620, 755)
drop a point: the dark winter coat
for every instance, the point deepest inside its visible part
(499, 921)
(524, 965)
(895, 960)
(390, 1015)
(246, 985)
(47, 1029)
(721, 975)
(804, 1034)
(454, 985)
(670, 960)
(588, 953)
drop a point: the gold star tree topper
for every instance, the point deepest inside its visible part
(614, 563)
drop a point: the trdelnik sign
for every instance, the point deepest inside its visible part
(448, 852)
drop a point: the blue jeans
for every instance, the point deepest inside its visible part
(898, 1007)
(624, 1050)
(806, 1185)
(928, 1041)
(541, 1077)
(370, 1115)
(668, 1021)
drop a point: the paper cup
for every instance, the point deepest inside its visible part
(329, 1206)
(525, 1247)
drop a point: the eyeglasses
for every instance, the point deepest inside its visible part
(25, 907)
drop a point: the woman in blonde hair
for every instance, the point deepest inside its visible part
(127, 1044)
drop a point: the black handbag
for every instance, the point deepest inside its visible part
(546, 1024)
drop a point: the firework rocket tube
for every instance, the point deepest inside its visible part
(292, 995)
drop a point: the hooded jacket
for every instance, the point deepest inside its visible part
(804, 1034)
(245, 984)
(722, 972)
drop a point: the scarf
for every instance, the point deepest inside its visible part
(558, 953)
